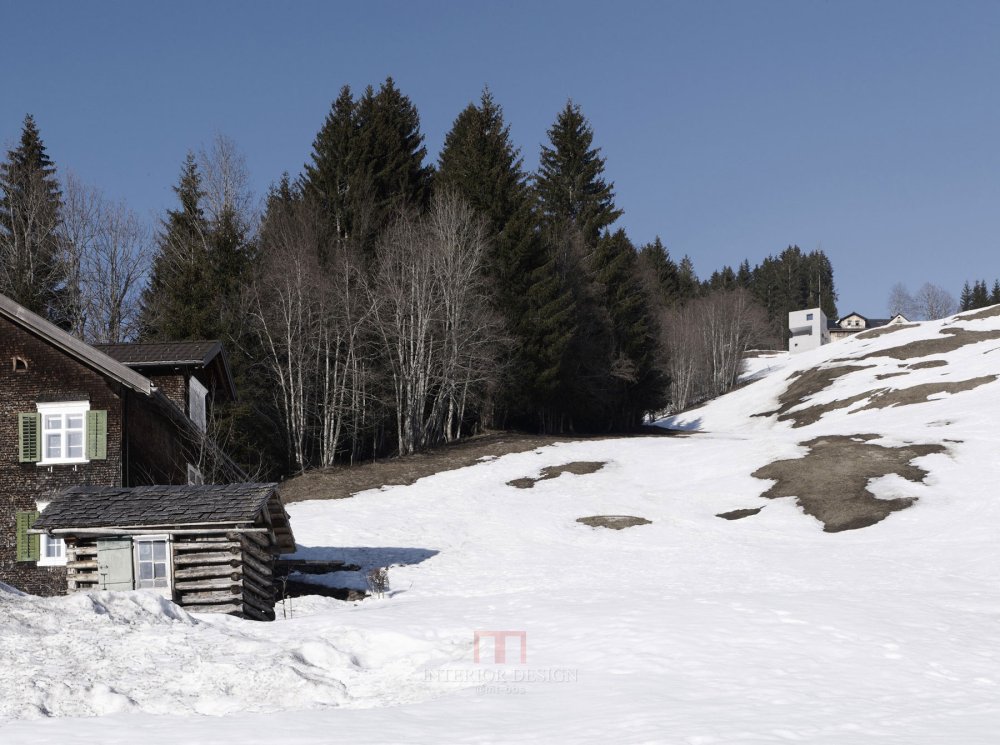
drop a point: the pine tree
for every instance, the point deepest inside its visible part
(637, 386)
(33, 267)
(480, 163)
(654, 258)
(178, 300)
(328, 178)
(965, 302)
(995, 294)
(980, 295)
(570, 183)
(688, 286)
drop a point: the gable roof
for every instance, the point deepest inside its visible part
(70, 345)
(155, 506)
(155, 354)
(198, 354)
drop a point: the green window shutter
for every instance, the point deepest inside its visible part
(27, 545)
(29, 438)
(97, 435)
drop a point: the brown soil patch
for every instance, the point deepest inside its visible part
(883, 376)
(954, 338)
(927, 364)
(993, 310)
(812, 414)
(341, 482)
(883, 330)
(807, 383)
(579, 468)
(615, 522)
(739, 514)
(920, 393)
(831, 481)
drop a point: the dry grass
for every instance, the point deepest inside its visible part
(739, 514)
(883, 330)
(951, 339)
(920, 393)
(578, 467)
(614, 522)
(831, 481)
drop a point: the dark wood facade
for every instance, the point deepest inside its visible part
(148, 438)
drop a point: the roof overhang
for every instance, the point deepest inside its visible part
(73, 347)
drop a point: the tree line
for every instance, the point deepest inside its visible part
(374, 303)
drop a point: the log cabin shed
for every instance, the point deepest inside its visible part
(209, 548)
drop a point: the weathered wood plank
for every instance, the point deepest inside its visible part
(260, 566)
(206, 546)
(263, 591)
(215, 570)
(257, 552)
(208, 583)
(209, 596)
(206, 557)
(217, 608)
(81, 564)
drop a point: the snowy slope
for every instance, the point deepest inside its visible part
(689, 629)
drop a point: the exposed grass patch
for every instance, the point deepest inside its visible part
(615, 522)
(920, 393)
(739, 514)
(950, 340)
(927, 364)
(883, 330)
(992, 311)
(805, 384)
(579, 468)
(831, 481)
(883, 376)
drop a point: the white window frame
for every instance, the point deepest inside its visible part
(166, 539)
(46, 541)
(62, 409)
(197, 406)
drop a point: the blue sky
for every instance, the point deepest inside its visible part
(731, 128)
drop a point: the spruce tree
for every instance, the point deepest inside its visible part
(570, 183)
(328, 178)
(637, 386)
(33, 268)
(965, 301)
(995, 294)
(178, 302)
(654, 258)
(980, 295)
(480, 163)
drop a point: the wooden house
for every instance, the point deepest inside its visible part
(209, 548)
(75, 417)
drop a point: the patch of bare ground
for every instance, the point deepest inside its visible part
(919, 393)
(739, 514)
(615, 522)
(927, 364)
(831, 481)
(341, 482)
(990, 312)
(952, 339)
(883, 330)
(578, 467)
(812, 414)
(883, 376)
(805, 384)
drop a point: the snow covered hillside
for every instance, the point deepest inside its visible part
(847, 593)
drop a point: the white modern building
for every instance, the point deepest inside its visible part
(809, 330)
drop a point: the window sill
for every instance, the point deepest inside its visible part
(63, 462)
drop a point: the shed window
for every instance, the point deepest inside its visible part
(63, 432)
(152, 562)
(809, 316)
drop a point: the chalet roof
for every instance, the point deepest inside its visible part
(70, 345)
(157, 354)
(154, 506)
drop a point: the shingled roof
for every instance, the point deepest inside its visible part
(155, 354)
(81, 507)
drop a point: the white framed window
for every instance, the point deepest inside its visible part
(64, 432)
(151, 554)
(51, 550)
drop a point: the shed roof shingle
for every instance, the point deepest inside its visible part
(163, 353)
(113, 506)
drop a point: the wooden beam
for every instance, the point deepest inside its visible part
(230, 557)
(215, 570)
